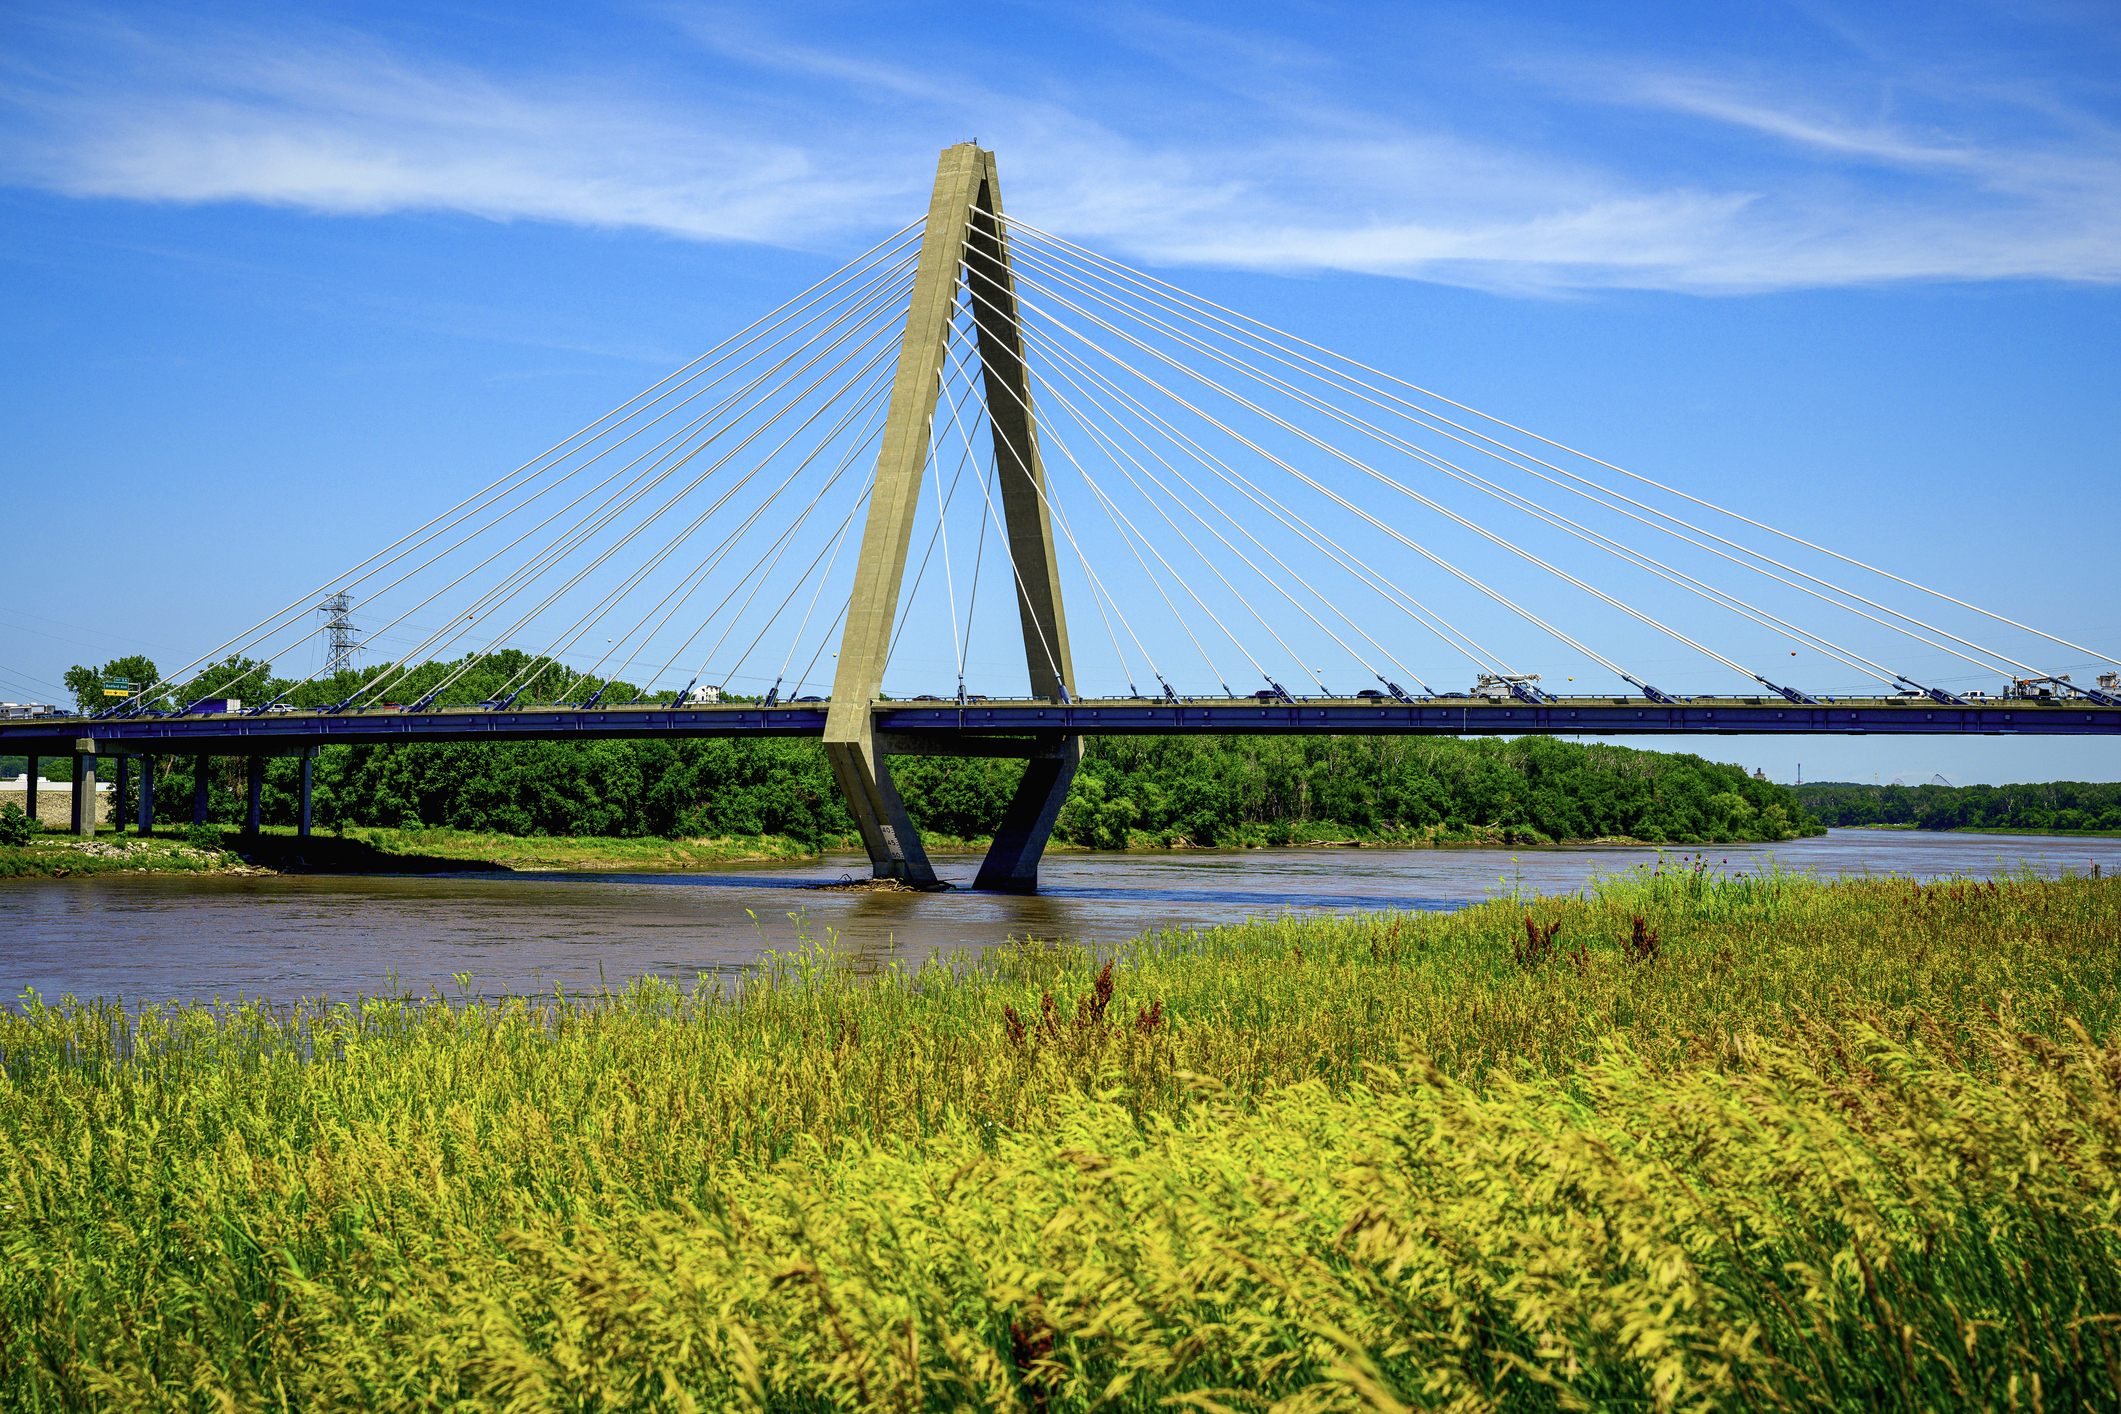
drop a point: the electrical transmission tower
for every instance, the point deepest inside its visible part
(341, 638)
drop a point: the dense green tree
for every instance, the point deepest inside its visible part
(1206, 791)
(2082, 804)
(86, 683)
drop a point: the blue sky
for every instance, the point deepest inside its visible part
(282, 281)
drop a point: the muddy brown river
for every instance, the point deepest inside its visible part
(165, 937)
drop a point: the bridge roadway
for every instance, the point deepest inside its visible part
(1001, 728)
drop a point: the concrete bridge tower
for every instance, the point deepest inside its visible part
(965, 248)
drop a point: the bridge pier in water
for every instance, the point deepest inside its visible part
(1011, 865)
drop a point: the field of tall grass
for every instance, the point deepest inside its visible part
(1679, 1142)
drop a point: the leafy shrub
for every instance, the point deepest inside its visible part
(204, 837)
(16, 827)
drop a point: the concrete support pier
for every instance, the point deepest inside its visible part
(29, 784)
(254, 768)
(117, 815)
(147, 797)
(200, 766)
(85, 788)
(309, 771)
(1011, 865)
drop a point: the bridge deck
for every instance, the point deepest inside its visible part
(912, 723)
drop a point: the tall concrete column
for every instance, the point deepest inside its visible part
(255, 769)
(200, 766)
(118, 810)
(309, 763)
(1011, 865)
(73, 787)
(958, 232)
(29, 782)
(850, 736)
(1020, 473)
(85, 788)
(147, 797)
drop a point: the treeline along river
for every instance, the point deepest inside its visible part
(2054, 805)
(1151, 791)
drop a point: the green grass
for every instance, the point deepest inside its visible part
(1783, 1143)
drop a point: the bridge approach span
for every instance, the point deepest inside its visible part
(987, 728)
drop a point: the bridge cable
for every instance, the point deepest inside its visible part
(646, 481)
(1246, 560)
(954, 337)
(1380, 525)
(1521, 503)
(875, 360)
(724, 460)
(653, 454)
(1059, 518)
(838, 542)
(1372, 472)
(706, 567)
(1415, 411)
(873, 401)
(1316, 538)
(943, 504)
(498, 486)
(1099, 595)
(1052, 347)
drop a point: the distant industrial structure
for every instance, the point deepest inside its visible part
(341, 639)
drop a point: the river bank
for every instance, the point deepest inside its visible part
(1702, 1130)
(438, 850)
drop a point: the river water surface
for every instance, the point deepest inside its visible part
(158, 937)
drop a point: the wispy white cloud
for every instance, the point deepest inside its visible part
(340, 124)
(810, 143)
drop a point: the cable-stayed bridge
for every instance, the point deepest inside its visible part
(863, 518)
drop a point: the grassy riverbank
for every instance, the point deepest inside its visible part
(435, 849)
(1778, 1142)
(57, 856)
